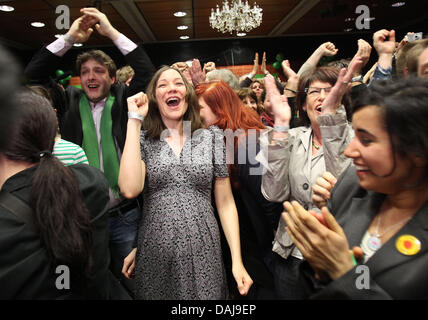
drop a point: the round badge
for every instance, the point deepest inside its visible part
(408, 245)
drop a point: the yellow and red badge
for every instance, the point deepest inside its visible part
(408, 245)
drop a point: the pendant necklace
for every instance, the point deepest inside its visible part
(374, 242)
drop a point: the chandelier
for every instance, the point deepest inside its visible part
(237, 17)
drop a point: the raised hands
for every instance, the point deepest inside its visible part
(102, 24)
(384, 43)
(263, 67)
(292, 79)
(280, 107)
(328, 49)
(256, 64)
(81, 29)
(363, 53)
(334, 98)
(196, 73)
(138, 103)
(209, 66)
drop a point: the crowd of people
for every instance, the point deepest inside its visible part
(191, 183)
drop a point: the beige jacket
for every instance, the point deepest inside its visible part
(291, 170)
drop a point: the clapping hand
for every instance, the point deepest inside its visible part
(325, 247)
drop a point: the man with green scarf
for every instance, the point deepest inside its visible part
(95, 117)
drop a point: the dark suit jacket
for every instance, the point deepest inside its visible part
(44, 64)
(25, 271)
(393, 275)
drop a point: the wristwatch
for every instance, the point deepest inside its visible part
(357, 79)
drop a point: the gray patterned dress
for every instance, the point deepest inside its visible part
(179, 254)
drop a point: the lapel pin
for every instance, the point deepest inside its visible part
(408, 245)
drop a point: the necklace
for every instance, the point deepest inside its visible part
(374, 242)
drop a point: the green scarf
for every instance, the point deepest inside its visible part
(90, 141)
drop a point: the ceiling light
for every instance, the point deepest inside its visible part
(348, 30)
(180, 14)
(6, 8)
(77, 44)
(241, 34)
(398, 4)
(349, 19)
(184, 37)
(238, 16)
(182, 27)
(38, 24)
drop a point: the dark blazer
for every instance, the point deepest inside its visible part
(25, 271)
(258, 219)
(43, 65)
(393, 275)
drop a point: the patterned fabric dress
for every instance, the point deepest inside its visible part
(179, 253)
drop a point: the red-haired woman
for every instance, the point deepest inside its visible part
(258, 218)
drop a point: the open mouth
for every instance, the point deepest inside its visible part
(173, 102)
(361, 169)
(93, 86)
(318, 109)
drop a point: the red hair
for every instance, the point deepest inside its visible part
(228, 107)
(231, 112)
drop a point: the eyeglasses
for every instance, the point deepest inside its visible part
(315, 92)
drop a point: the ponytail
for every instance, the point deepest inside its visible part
(59, 210)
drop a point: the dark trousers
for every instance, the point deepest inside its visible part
(123, 232)
(286, 277)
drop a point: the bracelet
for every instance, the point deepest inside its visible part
(135, 115)
(68, 39)
(290, 90)
(354, 262)
(281, 128)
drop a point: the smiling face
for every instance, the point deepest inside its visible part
(171, 95)
(95, 79)
(378, 168)
(315, 96)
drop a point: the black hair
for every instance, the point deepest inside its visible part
(59, 212)
(404, 109)
(9, 84)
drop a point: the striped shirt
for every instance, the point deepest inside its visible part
(69, 153)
